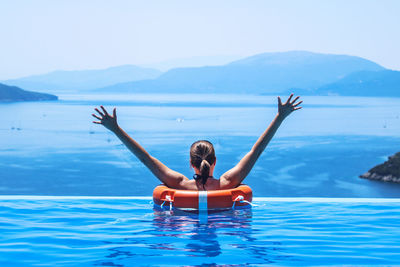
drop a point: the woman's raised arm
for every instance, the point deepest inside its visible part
(236, 175)
(169, 177)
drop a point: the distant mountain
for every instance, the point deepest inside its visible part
(365, 83)
(198, 61)
(264, 73)
(13, 93)
(70, 81)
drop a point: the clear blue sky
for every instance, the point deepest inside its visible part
(45, 35)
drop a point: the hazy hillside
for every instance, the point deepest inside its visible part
(365, 83)
(267, 73)
(197, 61)
(263, 73)
(83, 80)
(13, 93)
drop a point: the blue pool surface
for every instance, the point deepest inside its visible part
(101, 231)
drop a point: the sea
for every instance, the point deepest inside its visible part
(53, 148)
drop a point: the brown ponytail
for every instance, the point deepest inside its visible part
(202, 156)
(205, 171)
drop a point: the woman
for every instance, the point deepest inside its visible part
(202, 154)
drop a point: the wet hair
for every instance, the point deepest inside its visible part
(202, 156)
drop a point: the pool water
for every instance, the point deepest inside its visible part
(101, 231)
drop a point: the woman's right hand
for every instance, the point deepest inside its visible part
(285, 109)
(108, 121)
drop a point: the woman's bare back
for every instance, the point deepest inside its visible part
(211, 184)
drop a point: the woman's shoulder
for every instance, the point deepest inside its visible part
(188, 185)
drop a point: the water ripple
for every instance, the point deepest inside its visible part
(124, 232)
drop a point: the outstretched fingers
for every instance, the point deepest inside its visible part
(97, 117)
(98, 111)
(289, 106)
(295, 105)
(105, 119)
(279, 101)
(105, 111)
(294, 100)
(290, 97)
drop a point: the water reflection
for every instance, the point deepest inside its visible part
(182, 238)
(203, 237)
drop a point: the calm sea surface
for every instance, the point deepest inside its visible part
(52, 148)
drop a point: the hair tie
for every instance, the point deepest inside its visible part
(196, 177)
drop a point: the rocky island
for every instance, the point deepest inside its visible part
(389, 171)
(13, 93)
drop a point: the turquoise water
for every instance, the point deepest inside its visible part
(40, 231)
(52, 148)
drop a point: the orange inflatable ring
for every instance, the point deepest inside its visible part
(200, 200)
